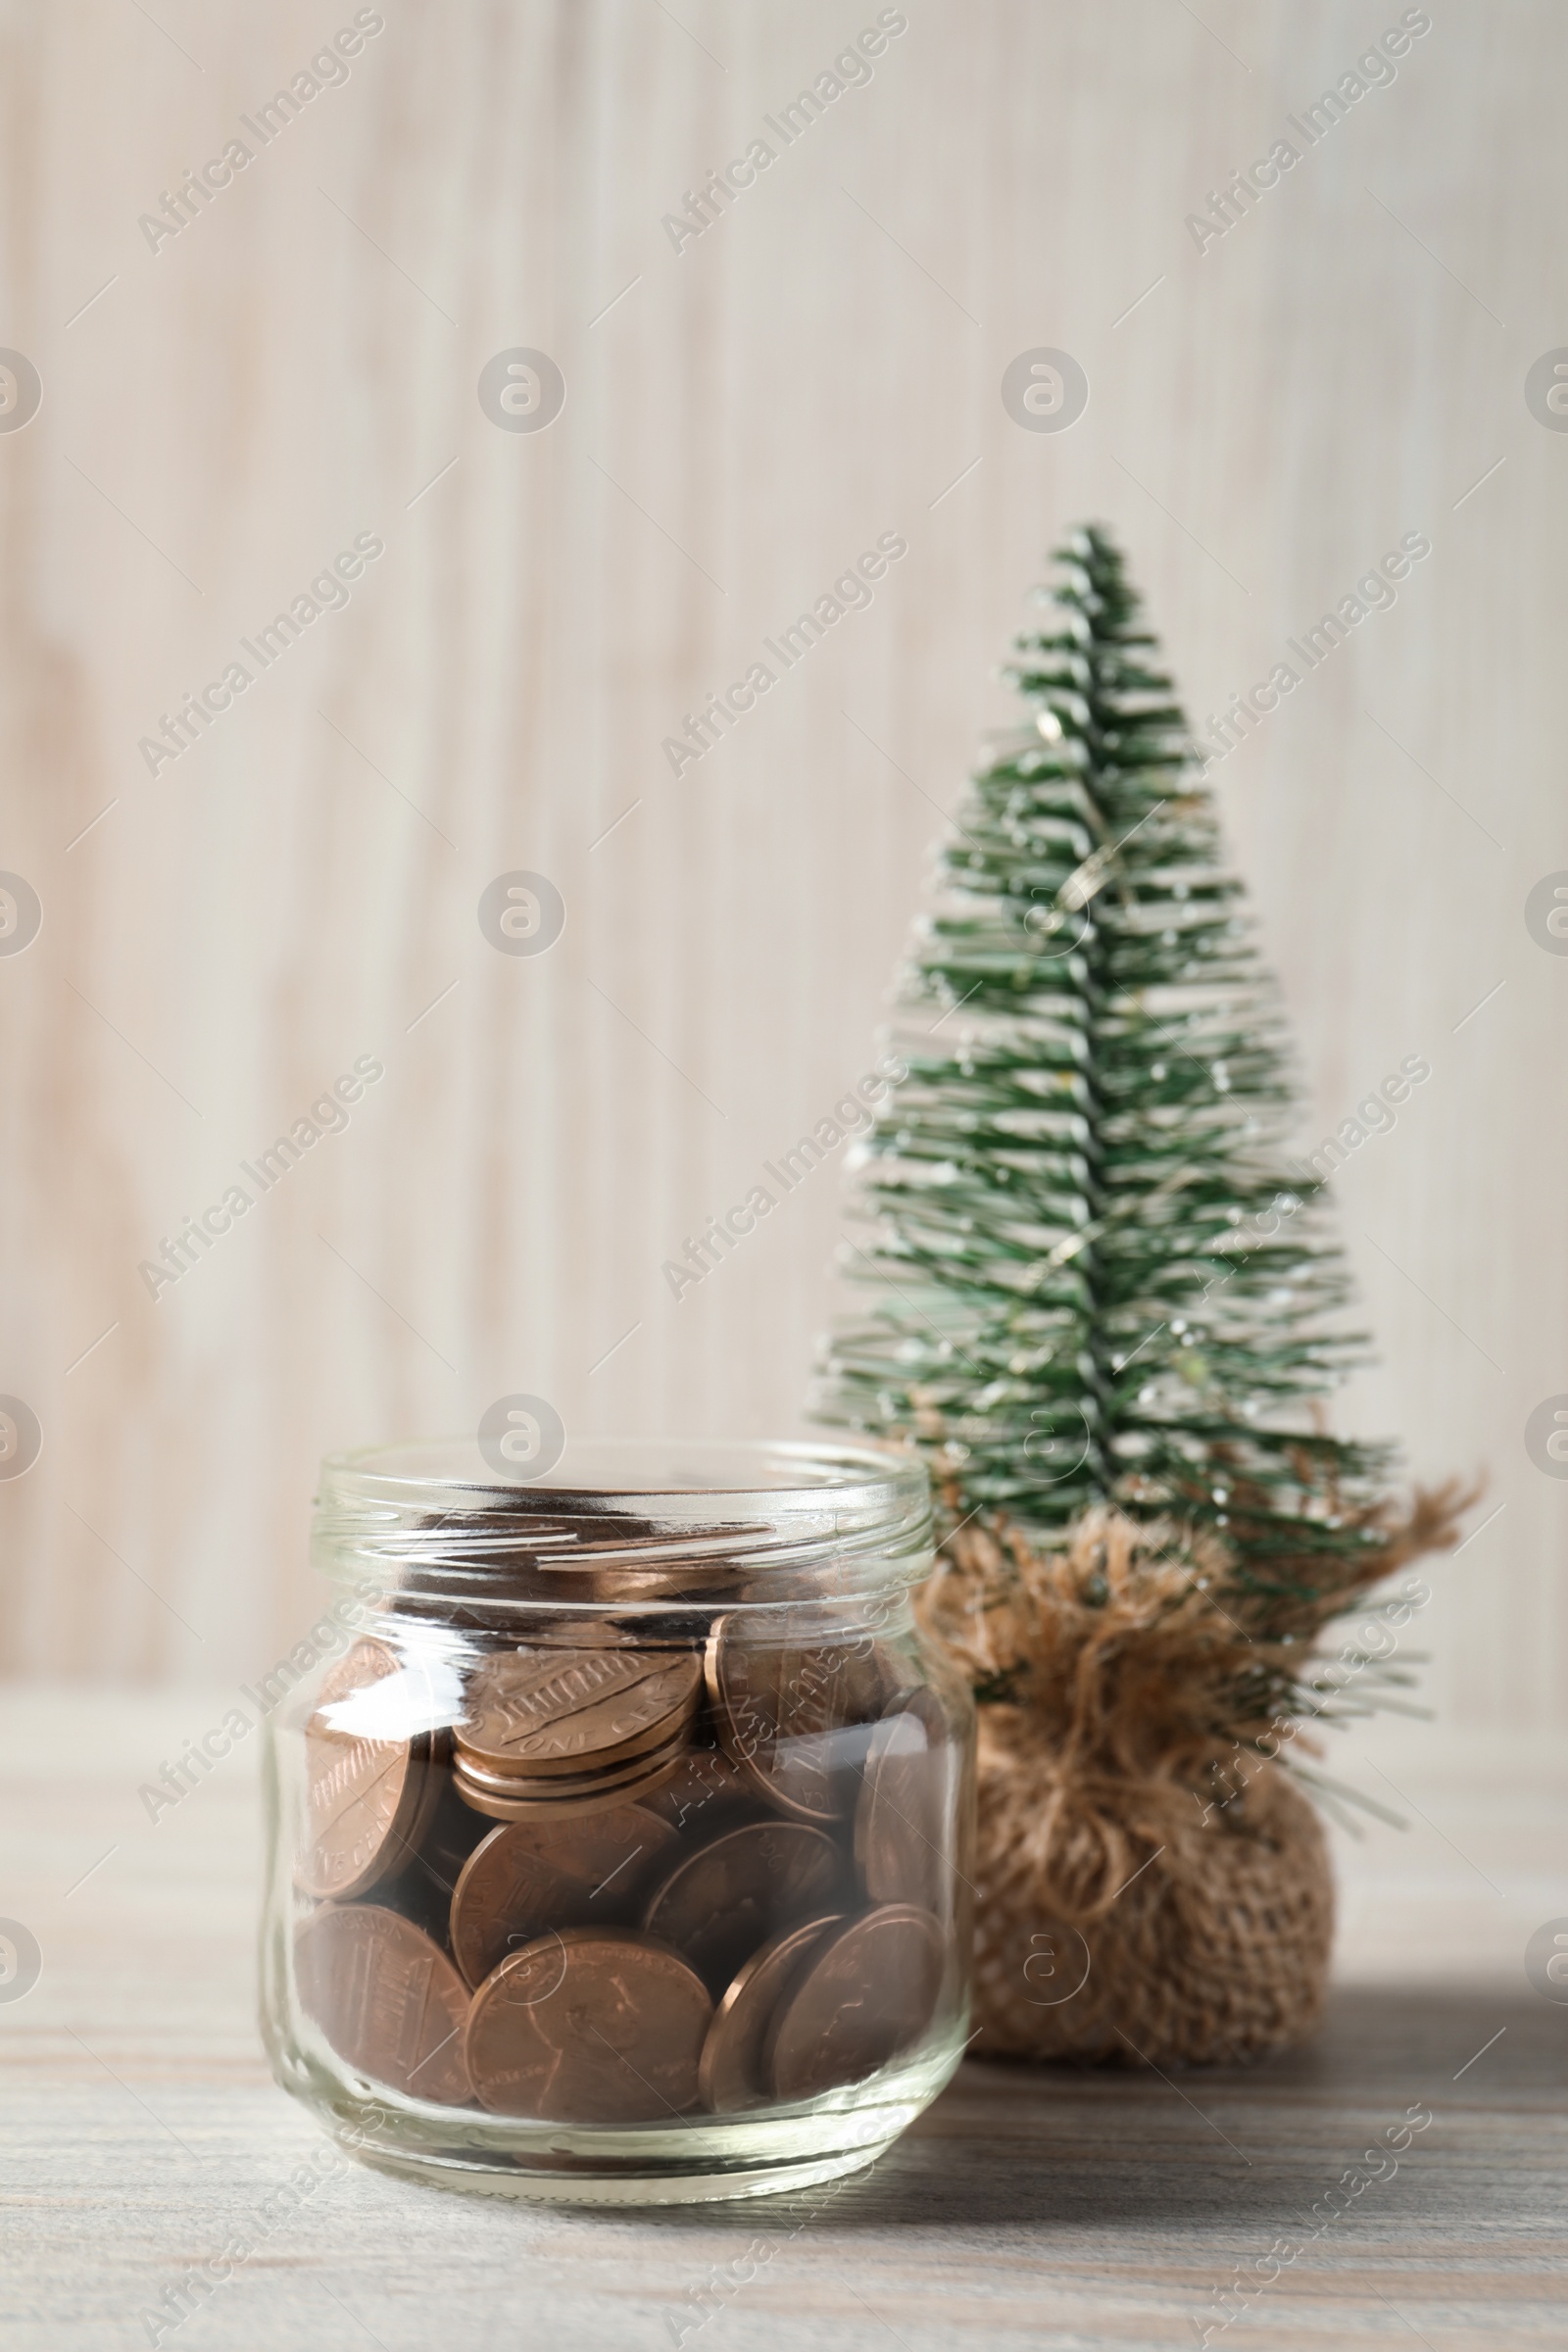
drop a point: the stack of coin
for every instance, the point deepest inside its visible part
(630, 1882)
(549, 1729)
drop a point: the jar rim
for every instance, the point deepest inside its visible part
(654, 1515)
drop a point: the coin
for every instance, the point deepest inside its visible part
(388, 1999)
(868, 1991)
(575, 1633)
(538, 1710)
(422, 1889)
(595, 1797)
(703, 1789)
(782, 1707)
(366, 1790)
(901, 1816)
(563, 1785)
(592, 2026)
(669, 1583)
(730, 2075)
(529, 1877)
(718, 1904)
(626, 1752)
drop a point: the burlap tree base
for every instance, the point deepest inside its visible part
(1150, 1884)
(1217, 1950)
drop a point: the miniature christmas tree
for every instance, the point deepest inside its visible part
(1094, 1294)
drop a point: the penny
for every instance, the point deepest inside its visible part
(595, 1797)
(868, 1991)
(670, 1583)
(901, 1816)
(577, 1784)
(367, 1791)
(538, 1710)
(410, 1833)
(560, 1788)
(586, 1772)
(653, 1742)
(423, 1887)
(718, 1904)
(782, 1708)
(529, 1877)
(573, 1632)
(388, 1999)
(730, 2075)
(702, 1790)
(592, 2026)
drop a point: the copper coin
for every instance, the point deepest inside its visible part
(432, 1779)
(868, 1991)
(900, 1818)
(782, 1707)
(596, 1798)
(662, 1735)
(365, 1788)
(702, 1790)
(730, 2075)
(534, 1710)
(573, 1783)
(422, 1889)
(388, 1999)
(559, 1788)
(575, 1633)
(671, 1582)
(594, 2026)
(529, 1877)
(718, 1904)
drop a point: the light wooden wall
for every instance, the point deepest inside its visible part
(741, 421)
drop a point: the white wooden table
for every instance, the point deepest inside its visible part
(141, 2132)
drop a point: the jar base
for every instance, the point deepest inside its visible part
(697, 2187)
(709, 2160)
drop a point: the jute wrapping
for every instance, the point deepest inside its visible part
(1150, 1884)
(1217, 1950)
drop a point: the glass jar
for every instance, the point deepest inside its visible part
(619, 1849)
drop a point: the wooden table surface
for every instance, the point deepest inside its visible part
(141, 2132)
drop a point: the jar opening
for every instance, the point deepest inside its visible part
(636, 1522)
